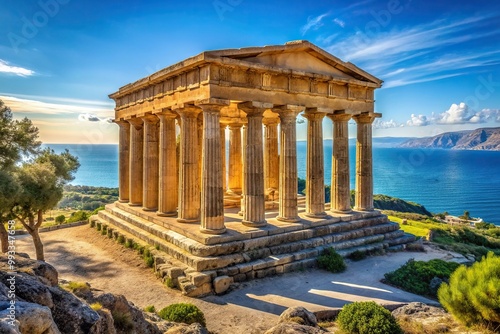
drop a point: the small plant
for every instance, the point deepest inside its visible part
(472, 294)
(96, 306)
(92, 223)
(150, 309)
(77, 287)
(121, 239)
(170, 283)
(104, 230)
(60, 219)
(129, 243)
(367, 318)
(183, 312)
(122, 321)
(98, 226)
(157, 246)
(149, 261)
(357, 255)
(331, 261)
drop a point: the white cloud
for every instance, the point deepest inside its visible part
(339, 22)
(380, 124)
(313, 23)
(418, 120)
(456, 114)
(5, 67)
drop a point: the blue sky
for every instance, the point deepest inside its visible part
(59, 59)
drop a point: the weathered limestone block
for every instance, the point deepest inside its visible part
(309, 319)
(222, 284)
(32, 318)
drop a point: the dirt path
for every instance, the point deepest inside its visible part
(82, 254)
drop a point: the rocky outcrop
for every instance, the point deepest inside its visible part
(479, 139)
(40, 306)
(295, 320)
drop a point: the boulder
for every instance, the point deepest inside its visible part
(187, 329)
(299, 315)
(294, 328)
(418, 310)
(31, 318)
(28, 288)
(222, 283)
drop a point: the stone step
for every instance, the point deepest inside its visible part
(401, 240)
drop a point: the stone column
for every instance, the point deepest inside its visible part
(253, 165)
(200, 142)
(212, 194)
(271, 158)
(364, 176)
(223, 155)
(315, 178)
(235, 158)
(150, 163)
(288, 163)
(242, 162)
(340, 191)
(168, 189)
(189, 172)
(124, 151)
(136, 161)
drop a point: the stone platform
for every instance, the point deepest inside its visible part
(200, 264)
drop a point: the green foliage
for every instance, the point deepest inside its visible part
(367, 318)
(357, 255)
(485, 226)
(120, 239)
(301, 185)
(129, 243)
(416, 276)
(96, 306)
(183, 312)
(97, 210)
(331, 261)
(473, 294)
(170, 283)
(384, 202)
(77, 287)
(150, 309)
(87, 198)
(78, 216)
(123, 322)
(60, 219)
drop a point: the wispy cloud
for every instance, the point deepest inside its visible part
(426, 52)
(5, 67)
(313, 23)
(339, 22)
(38, 107)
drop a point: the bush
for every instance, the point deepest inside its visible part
(150, 309)
(367, 318)
(60, 219)
(78, 216)
(416, 276)
(331, 261)
(183, 312)
(472, 296)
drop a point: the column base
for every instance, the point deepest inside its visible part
(254, 224)
(342, 212)
(149, 209)
(316, 215)
(187, 221)
(241, 213)
(288, 219)
(123, 200)
(212, 231)
(363, 209)
(166, 214)
(134, 204)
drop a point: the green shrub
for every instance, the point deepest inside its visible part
(149, 260)
(472, 296)
(183, 312)
(357, 255)
(170, 283)
(121, 239)
(104, 230)
(96, 211)
(78, 216)
(150, 309)
(367, 318)
(129, 243)
(331, 261)
(416, 276)
(123, 322)
(60, 219)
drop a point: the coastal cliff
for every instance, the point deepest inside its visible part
(479, 139)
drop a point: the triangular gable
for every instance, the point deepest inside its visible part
(299, 56)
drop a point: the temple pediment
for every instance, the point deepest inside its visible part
(299, 56)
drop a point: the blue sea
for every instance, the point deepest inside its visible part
(441, 180)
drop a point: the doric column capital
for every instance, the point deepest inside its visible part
(340, 117)
(186, 110)
(151, 119)
(235, 126)
(121, 122)
(366, 118)
(166, 114)
(253, 108)
(313, 116)
(288, 113)
(270, 121)
(212, 104)
(136, 122)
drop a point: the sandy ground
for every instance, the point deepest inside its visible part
(82, 254)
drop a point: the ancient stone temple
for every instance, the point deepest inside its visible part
(221, 220)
